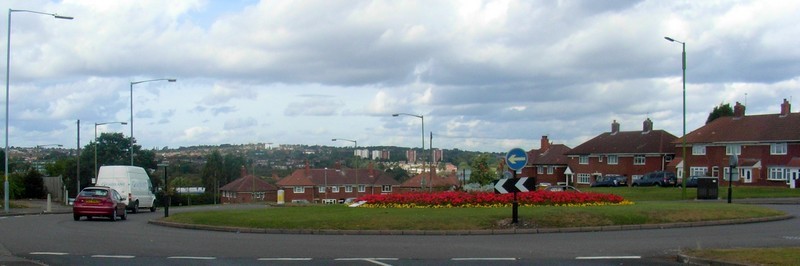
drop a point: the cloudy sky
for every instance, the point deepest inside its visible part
(486, 75)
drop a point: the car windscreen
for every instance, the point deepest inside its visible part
(94, 193)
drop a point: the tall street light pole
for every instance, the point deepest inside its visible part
(95, 141)
(421, 117)
(8, 78)
(683, 139)
(355, 149)
(134, 83)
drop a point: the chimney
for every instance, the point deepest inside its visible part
(647, 126)
(244, 171)
(337, 165)
(614, 127)
(786, 108)
(545, 144)
(738, 111)
(371, 170)
(308, 169)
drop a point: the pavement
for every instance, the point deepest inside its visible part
(38, 207)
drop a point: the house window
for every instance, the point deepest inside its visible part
(540, 169)
(727, 174)
(299, 190)
(638, 160)
(583, 178)
(715, 171)
(362, 188)
(321, 190)
(348, 189)
(335, 189)
(732, 149)
(777, 148)
(386, 188)
(550, 170)
(699, 150)
(698, 171)
(583, 159)
(613, 159)
(776, 174)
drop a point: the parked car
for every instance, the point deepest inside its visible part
(691, 182)
(657, 178)
(610, 181)
(99, 202)
(560, 188)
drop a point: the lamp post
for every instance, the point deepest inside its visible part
(134, 83)
(167, 196)
(8, 78)
(734, 161)
(95, 141)
(422, 118)
(355, 149)
(683, 139)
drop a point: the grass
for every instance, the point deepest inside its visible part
(638, 194)
(343, 218)
(752, 256)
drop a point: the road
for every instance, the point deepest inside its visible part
(56, 239)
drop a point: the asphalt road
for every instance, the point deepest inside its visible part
(56, 239)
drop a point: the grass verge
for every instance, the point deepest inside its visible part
(339, 217)
(638, 194)
(751, 256)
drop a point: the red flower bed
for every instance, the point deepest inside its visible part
(487, 199)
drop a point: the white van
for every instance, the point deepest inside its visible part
(132, 183)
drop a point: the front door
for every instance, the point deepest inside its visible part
(747, 173)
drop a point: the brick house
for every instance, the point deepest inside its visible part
(628, 153)
(767, 146)
(431, 182)
(248, 189)
(334, 184)
(547, 164)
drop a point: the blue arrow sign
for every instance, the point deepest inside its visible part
(516, 159)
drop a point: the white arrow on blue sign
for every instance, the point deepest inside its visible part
(516, 159)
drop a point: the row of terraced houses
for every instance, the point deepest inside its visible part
(767, 146)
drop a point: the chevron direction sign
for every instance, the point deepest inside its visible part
(511, 185)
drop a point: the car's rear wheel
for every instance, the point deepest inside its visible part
(124, 214)
(153, 208)
(76, 217)
(136, 207)
(114, 216)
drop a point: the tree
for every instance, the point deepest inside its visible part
(720, 111)
(34, 185)
(482, 171)
(212, 171)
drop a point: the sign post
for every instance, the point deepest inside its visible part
(516, 159)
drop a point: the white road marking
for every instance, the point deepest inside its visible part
(609, 258)
(191, 258)
(372, 260)
(483, 259)
(114, 256)
(284, 259)
(49, 253)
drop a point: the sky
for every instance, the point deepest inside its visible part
(484, 75)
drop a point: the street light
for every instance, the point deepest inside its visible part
(685, 159)
(421, 117)
(8, 77)
(134, 83)
(95, 141)
(355, 149)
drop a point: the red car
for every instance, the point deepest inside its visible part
(99, 201)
